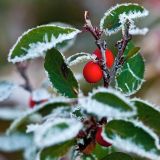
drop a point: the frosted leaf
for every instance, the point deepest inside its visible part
(38, 108)
(30, 153)
(32, 128)
(10, 114)
(115, 17)
(132, 137)
(14, 142)
(57, 131)
(6, 89)
(40, 94)
(148, 113)
(129, 146)
(35, 42)
(80, 57)
(138, 31)
(107, 103)
(60, 112)
(64, 46)
(130, 77)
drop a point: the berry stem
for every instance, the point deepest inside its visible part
(22, 68)
(121, 46)
(96, 33)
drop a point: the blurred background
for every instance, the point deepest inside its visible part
(17, 16)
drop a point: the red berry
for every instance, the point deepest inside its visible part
(100, 140)
(109, 57)
(92, 72)
(32, 103)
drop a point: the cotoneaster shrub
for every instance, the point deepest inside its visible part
(105, 125)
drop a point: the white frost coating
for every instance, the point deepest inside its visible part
(138, 31)
(114, 92)
(39, 48)
(130, 16)
(139, 124)
(10, 114)
(132, 90)
(81, 57)
(153, 106)
(133, 74)
(104, 110)
(46, 135)
(34, 110)
(128, 145)
(30, 153)
(70, 42)
(32, 128)
(14, 142)
(6, 89)
(40, 94)
(60, 112)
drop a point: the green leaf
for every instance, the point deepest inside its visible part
(131, 137)
(148, 114)
(115, 17)
(132, 52)
(118, 156)
(60, 75)
(108, 103)
(130, 77)
(79, 57)
(55, 152)
(101, 152)
(35, 114)
(51, 133)
(6, 89)
(35, 42)
(65, 45)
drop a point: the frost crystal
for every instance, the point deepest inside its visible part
(80, 57)
(50, 133)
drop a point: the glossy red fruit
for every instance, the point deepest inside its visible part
(92, 72)
(109, 56)
(100, 140)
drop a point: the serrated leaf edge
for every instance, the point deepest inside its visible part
(130, 16)
(46, 45)
(104, 110)
(129, 146)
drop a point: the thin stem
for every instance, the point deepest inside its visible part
(22, 68)
(96, 33)
(121, 45)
